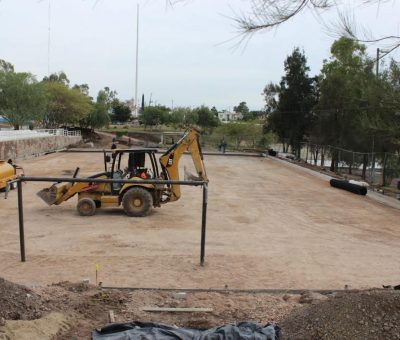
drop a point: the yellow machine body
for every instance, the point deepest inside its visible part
(7, 173)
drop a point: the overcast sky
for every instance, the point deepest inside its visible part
(185, 53)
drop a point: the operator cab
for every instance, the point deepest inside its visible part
(133, 164)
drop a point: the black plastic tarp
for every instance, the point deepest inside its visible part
(153, 331)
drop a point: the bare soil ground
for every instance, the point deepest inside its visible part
(269, 226)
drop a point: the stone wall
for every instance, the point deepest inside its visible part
(25, 148)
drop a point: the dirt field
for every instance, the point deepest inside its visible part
(269, 226)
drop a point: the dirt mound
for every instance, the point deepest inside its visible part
(350, 315)
(20, 303)
(74, 287)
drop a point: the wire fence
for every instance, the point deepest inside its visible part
(235, 143)
(380, 169)
(220, 142)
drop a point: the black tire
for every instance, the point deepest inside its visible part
(137, 202)
(86, 207)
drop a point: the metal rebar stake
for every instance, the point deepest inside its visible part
(21, 221)
(203, 223)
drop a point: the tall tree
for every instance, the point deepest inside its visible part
(345, 83)
(84, 88)
(292, 116)
(154, 115)
(65, 106)
(206, 118)
(98, 116)
(214, 111)
(59, 77)
(243, 109)
(121, 112)
(22, 98)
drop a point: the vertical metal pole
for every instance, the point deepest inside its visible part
(203, 223)
(377, 62)
(48, 39)
(21, 222)
(136, 113)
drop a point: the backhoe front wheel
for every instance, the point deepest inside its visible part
(137, 202)
(86, 207)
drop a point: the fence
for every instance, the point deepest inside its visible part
(235, 143)
(7, 135)
(377, 168)
(214, 141)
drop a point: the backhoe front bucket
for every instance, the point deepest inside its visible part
(49, 195)
(53, 194)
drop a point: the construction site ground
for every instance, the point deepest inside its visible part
(269, 226)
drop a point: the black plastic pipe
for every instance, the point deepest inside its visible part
(345, 185)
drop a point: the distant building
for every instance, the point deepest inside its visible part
(227, 116)
(131, 104)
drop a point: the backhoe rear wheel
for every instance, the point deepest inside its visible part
(137, 202)
(86, 207)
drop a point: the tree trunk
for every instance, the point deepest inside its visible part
(364, 169)
(332, 167)
(316, 152)
(384, 170)
(322, 158)
(307, 154)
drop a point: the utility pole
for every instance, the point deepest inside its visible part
(373, 135)
(377, 61)
(137, 63)
(48, 38)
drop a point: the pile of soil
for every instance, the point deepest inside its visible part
(227, 307)
(86, 305)
(21, 303)
(77, 308)
(348, 315)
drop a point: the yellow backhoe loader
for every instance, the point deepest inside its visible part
(8, 172)
(137, 199)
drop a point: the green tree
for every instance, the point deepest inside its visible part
(206, 118)
(121, 112)
(154, 115)
(98, 116)
(22, 98)
(84, 88)
(214, 111)
(65, 106)
(346, 82)
(191, 117)
(243, 109)
(60, 77)
(292, 101)
(178, 115)
(110, 96)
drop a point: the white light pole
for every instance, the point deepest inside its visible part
(48, 39)
(137, 63)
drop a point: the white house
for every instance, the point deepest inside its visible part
(227, 116)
